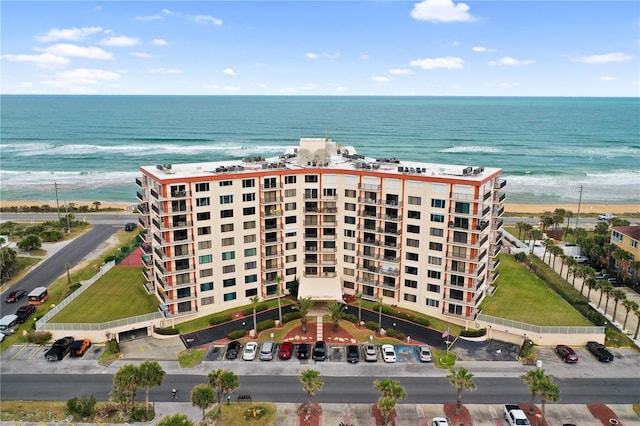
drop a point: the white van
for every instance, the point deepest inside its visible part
(6, 324)
(266, 353)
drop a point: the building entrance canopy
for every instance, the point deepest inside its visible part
(320, 289)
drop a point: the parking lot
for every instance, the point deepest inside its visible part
(32, 352)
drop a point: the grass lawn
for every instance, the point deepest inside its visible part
(110, 299)
(243, 414)
(521, 296)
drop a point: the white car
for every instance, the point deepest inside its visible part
(439, 421)
(370, 353)
(606, 216)
(250, 350)
(424, 353)
(389, 353)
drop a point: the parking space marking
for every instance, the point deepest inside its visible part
(19, 351)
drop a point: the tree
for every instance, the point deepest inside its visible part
(279, 284)
(67, 266)
(622, 257)
(30, 242)
(601, 285)
(563, 261)
(608, 290)
(8, 263)
(629, 305)
(572, 266)
(549, 391)
(222, 381)
(391, 391)
(636, 312)
(304, 305)
(568, 214)
(379, 299)
(358, 296)
(96, 205)
(203, 396)
(547, 243)
(461, 379)
(254, 301)
(386, 406)
(533, 379)
(150, 374)
(586, 273)
(535, 235)
(520, 226)
(311, 383)
(336, 312)
(635, 267)
(175, 420)
(125, 384)
(617, 295)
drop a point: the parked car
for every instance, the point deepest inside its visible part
(567, 353)
(80, 347)
(439, 421)
(602, 276)
(580, 259)
(606, 216)
(286, 350)
(600, 351)
(353, 354)
(249, 353)
(320, 351)
(389, 353)
(24, 312)
(8, 323)
(14, 296)
(303, 351)
(131, 226)
(59, 349)
(424, 353)
(233, 349)
(370, 353)
(266, 352)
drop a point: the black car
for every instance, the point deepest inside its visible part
(303, 351)
(24, 312)
(353, 354)
(131, 226)
(14, 296)
(600, 351)
(320, 351)
(59, 349)
(233, 349)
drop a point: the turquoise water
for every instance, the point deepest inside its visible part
(93, 146)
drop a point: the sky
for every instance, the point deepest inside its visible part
(328, 48)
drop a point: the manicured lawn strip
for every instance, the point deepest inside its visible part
(434, 323)
(191, 358)
(110, 298)
(234, 414)
(521, 296)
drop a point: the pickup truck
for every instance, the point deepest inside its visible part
(515, 416)
(59, 349)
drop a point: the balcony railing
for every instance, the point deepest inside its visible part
(369, 187)
(271, 253)
(369, 201)
(172, 226)
(500, 183)
(459, 196)
(139, 182)
(175, 195)
(320, 274)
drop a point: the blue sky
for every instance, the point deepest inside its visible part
(427, 48)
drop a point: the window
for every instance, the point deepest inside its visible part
(201, 202)
(351, 220)
(202, 187)
(349, 246)
(416, 201)
(250, 224)
(455, 309)
(226, 199)
(184, 307)
(206, 286)
(350, 207)
(634, 244)
(227, 227)
(433, 302)
(436, 232)
(329, 192)
(290, 219)
(433, 260)
(462, 208)
(250, 252)
(291, 246)
(291, 234)
(410, 297)
(248, 183)
(206, 273)
(459, 222)
(289, 206)
(227, 241)
(349, 259)
(250, 238)
(348, 271)
(388, 293)
(229, 296)
(250, 279)
(438, 204)
(350, 193)
(207, 258)
(291, 258)
(205, 230)
(183, 279)
(206, 301)
(460, 252)
(226, 213)
(225, 183)
(437, 218)
(413, 243)
(250, 265)
(248, 211)
(458, 266)
(349, 233)
(349, 284)
(203, 245)
(203, 216)
(411, 270)
(411, 283)
(433, 288)
(249, 197)
(414, 229)
(290, 192)
(413, 214)
(228, 269)
(228, 255)
(412, 256)
(229, 282)
(289, 179)
(311, 178)
(457, 280)
(290, 271)
(435, 246)
(250, 292)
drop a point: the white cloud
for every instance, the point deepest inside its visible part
(168, 12)
(482, 49)
(365, 57)
(380, 79)
(148, 17)
(441, 11)
(86, 76)
(263, 86)
(604, 58)
(66, 49)
(26, 84)
(120, 41)
(164, 71)
(309, 86)
(400, 71)
(210, 86)
(160, 42)
(449, 62)
(143, 55)
(73, 34)
(607, 78)
(330, 56)
(311, 55)
(228, 71)
(509, 61)
(341, 89)
(97, 8)
(230, 88)
(205, 19)
(508, 85)
(44, 60)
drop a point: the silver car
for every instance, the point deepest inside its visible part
(370, 353)
(424, 353)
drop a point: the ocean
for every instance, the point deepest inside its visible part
(91, 147)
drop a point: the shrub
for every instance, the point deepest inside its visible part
(84, 407)
(219, 319)
(109, 258)
(51, 236)
(259, 308)
(139, 413)
(390, 332)
(422, 321)
(290, 316)
(74, 287)
(351, 318)
(520, 257)
(31, 242)
(372, 325)
(166, 331)
(473, 333)
(236, 334)
(265, 325)
(113, 347)
(401, 336)
(39, 337)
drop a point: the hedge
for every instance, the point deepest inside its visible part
(372, 325)
(219, 319)
(259, 308)
(351, 318)
(290, 316)
(236, 334)
(166, 331)
(473, 333)
(265, 325)
(390, 332)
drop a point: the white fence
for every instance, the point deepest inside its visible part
(538, 329)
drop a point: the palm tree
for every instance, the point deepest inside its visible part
(629, 305)
(521, 226)
(602, 285)
(311, 383)
(592, 283)
(563, 261)
(254, 301)
(379, 299)
(588, 273)
(622, 257)
(303, 306)
(617, 295)
(125, 384)
(549, 391)
(576, 272)
(461, 379)
(555, 251)
(636, 312)
(546, 220)
(222, 381)
(392, 391)
(386, 406)
(336, 311)
(608, 290)
(150, 374)
(359, 297)
(526, 228)
(279, 284)
(572, 265)
(568, 214)
(547, 243)
(96, 205)
(635, 267)
(535, 234)
(203, 396)
(67, 266)
(533, 379)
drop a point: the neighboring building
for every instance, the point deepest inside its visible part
(626, 238)
(418, 235)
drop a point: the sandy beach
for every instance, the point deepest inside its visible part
(585, 209)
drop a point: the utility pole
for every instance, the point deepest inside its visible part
(55, 184)
(66, 210)
(579, 203)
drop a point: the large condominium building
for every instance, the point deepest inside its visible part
(418, 235)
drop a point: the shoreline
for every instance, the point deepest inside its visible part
(585, 209)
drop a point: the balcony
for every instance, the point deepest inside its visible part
(175, 256)
(267, 267)
(465, 272)
(392, 218)
(144, 221)
(143, 208)
(271, 200)
(272, 213)
(140, 196)
(271, 186)
(458, 196)
(166, 273)
(163, 242)
(183, 224)
(369, 187)
(391, 203)
(459, 302)
(139, 182)
(495, 265)
(378, 270)
(272, 227)
(276, 240)
(168, 211)
(328, 249)
(392, 259)
(176, 299)
(500, 183)
(497, 224)
(368, 255)
(370, 201)
(175, 195)
(320, 275)
(271, 253)
(366, 213)
(369, 241)
(147, 260)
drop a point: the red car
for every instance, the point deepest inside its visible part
(14, 296)
(566, 353)
(79, 347)
(286, 350)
